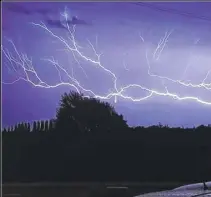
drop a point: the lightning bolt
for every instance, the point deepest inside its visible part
(156, 56)
(21, 62)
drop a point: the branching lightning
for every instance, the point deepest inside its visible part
(21, 61)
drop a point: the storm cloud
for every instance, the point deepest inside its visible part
(58, 24)
(23, 10)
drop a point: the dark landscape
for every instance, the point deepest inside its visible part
(83, 189)
(106, 99)
(91, 143)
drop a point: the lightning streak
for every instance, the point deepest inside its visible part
(203, 84)
(22, 61)
(161, 45)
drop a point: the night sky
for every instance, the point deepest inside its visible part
(162, 48)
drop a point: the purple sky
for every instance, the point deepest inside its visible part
(163, 52)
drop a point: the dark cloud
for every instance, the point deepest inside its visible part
(18, 9)
(55, 23)
(76, 21)
(44, 11)
(22, 10)
(73, 21)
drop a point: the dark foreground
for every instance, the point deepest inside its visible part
(83, 189)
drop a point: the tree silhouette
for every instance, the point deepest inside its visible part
(38, 126)
(77, 112)
(130, 154)
(51, 125)
(10, 129)
(16, 128)
(34, 126)
(28, 127)
(46, 126)
(42, 125)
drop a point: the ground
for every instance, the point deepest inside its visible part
(83, 189)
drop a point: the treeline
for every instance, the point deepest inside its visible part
(49, 126)
(89, 141)
(36, 126)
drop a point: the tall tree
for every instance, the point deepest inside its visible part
(11, 129)
(79, 113)
(28, 127)
(42, 125)
(51, 125)
(38, 126)
(46, 126)
(19, 127)
(34, 126)
(16, 128)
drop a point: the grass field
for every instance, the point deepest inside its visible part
(83, 189)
